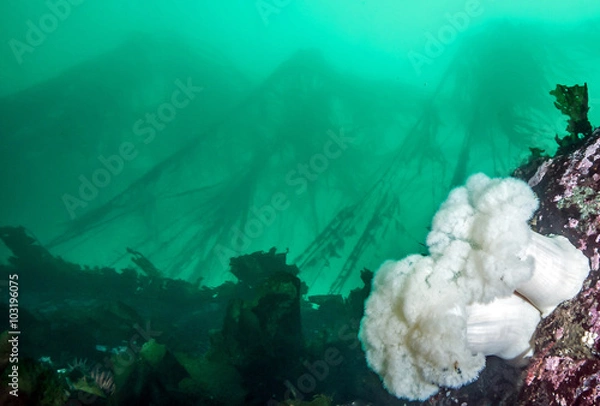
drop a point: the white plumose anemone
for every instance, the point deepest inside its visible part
(430, 321)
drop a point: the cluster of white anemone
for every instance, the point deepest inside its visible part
(430, 321)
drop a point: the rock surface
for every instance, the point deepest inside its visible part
(565, 369)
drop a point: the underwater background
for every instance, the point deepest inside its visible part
(187, 133)
(418, 104)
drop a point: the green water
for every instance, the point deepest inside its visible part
(193, 132)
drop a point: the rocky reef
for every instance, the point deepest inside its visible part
(565, 369)
(96, 336)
